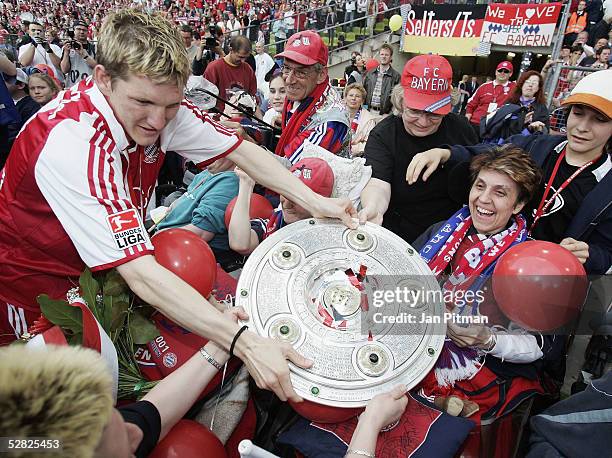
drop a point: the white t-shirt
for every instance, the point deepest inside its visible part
(263, 64)
(42, 57)
(79, 70)
(270, 115)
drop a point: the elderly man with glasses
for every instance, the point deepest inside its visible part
(313, 110)
(421, 118)
(490, 96)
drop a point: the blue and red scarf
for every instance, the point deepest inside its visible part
(470, 272)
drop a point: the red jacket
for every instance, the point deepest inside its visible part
(486, 94)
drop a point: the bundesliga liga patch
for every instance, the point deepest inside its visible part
(126, 228)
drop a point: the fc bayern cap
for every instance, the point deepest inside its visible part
(427, 83)
(306, 48)
(505, 64)
(316, 174)
(594, 91)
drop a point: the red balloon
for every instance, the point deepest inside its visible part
(539, 285)
(371, 64)
(324, 414)
(188, 256)
(260, 208)
(189, 439)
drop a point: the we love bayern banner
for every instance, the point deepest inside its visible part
(523, 25)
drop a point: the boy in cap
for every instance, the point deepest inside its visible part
(574, 207)
(313, 110)
(490, 96)
(245, 234)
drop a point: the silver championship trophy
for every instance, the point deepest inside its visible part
(337, 295)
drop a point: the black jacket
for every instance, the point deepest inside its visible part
(390, 79)
(26, 108)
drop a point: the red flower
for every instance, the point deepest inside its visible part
(41, 325)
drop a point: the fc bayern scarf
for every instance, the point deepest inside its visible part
(471, 271)
(294, 122)
(475, 265)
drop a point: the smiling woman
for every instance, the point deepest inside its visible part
(574, 208)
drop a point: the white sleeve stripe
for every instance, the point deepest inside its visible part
(98, 186)
(105, 190)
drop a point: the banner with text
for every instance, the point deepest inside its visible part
(520, 25)
(450, 30)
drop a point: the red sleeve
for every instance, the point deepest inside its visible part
(473, 102)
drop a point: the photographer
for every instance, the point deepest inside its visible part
(78, 57)
(39, 51)
(210, 49)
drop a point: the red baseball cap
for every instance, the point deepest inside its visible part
(427, 82)
(306, 48)
(507, 65)
(316, 174)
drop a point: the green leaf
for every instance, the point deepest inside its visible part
(89, 289)
(115, 311)
(61, 313)
(141, 329)
(114, 284)
(76, 339)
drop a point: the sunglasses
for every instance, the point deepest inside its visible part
(503, 70)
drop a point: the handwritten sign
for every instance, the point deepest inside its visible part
(520, 25)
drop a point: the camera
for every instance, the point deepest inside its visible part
(211, 43)
(75, 45)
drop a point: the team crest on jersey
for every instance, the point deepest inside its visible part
(169, 360)
(126, 228)
(151, 153)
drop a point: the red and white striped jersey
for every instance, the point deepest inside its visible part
(73, 191)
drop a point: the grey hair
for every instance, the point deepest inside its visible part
(397, 100)
(318, 67)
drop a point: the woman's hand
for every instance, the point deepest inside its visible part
(371, 214)
(266, 360)
(385, 408)
(577, 248)
(471, 336)
(537, 126)
(426, 162)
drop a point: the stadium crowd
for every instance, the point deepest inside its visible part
(158, 114)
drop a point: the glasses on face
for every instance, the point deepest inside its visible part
(299, 73)
(416, 114)
(503, 70)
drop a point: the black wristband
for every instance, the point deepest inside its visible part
(240, 331)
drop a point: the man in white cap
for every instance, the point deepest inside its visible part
(576, 207)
